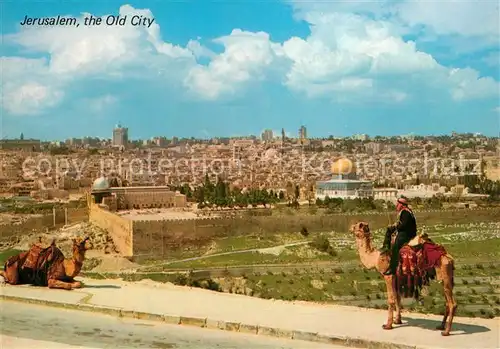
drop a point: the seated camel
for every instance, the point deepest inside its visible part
(419, 261)
(46, 266)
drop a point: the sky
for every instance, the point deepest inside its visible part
(232, 68)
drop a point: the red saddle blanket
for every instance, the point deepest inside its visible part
(416, 267)
(39, 257)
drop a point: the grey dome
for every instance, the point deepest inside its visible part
(100, 184)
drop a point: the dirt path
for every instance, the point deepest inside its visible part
(276, 250)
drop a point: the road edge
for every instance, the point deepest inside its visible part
(217, 324)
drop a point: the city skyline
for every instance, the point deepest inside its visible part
(233, 69)
(276, 136)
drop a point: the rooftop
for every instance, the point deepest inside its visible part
(345, 181)
(156, 214)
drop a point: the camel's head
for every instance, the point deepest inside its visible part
(82, 244)
(360, 230)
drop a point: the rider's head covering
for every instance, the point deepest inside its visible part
(403, 201)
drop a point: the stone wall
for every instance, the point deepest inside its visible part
(147, 197)
(156, 238)
(40, 223)
(119, 228)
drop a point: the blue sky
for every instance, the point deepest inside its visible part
(206, 69)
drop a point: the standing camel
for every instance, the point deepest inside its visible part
(418, 259)
(47, 266)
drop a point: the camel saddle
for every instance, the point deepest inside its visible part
(417, 260)
(39, 256)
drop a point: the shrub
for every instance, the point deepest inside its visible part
(331, 251)
(465, 282)
(321, 243)
(208, 284)
(181, 280)
(303, 230)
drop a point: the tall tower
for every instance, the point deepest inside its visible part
(283, 135)
(302, 133)
(267, 135)
(120, 136)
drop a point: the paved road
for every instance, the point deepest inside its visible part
(31, 326)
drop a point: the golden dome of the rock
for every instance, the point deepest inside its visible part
(343, 166)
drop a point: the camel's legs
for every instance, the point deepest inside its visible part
(443, 322)
(391, 302)
(442, 326)
(11, 275)
(451, 304)
(397, 320)
(54, 283)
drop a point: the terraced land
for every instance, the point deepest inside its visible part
(290, 267)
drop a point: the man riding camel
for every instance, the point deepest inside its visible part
(406, 228)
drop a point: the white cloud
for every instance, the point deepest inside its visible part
(245, 57)
(98, 49)
(24, 87)
(464, 25)
(199, 50)
(78, 52)
(349, 56)
(356, 56)
(101, 103)
(30, 98)
(468, 85)
(468, 18)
